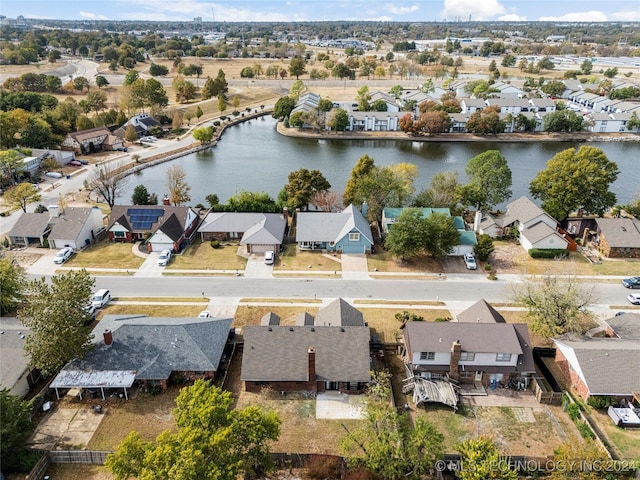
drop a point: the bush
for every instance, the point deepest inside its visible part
(154, 389)
(585, 430)
(217, 123)
(601, 402)
(443, 319)
(215, 244)
(548, 253)
(199, 206)
(324, 467)
(487, 267)
(573, 410)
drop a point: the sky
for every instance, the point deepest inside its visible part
(328, 10)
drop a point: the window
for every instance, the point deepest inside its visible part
(427, 355)
(119, 234)
(503, 357)
(354, 237)
(467, 356)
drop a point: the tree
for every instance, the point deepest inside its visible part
(212, 199)
(563, 121)
(576, 179)
(15, 428)
(80, 83)
(58, 320)
(158, 70)
(245, 201)
(213, 441)
(154, 94)
(101, 81)
(480, 459)
(177, 185)
(222, 103)
(282, 108)
(107, 182)
(386, 444)
(199, 112)
(141, 196)
(486, 122)
(363, 98)
(130, 134)
(484, 247)
(555, 305)
(22, 194)
(441, 235)
(327, 201)
(442, 192)
(490, 182)
(215, 87)
(405, 237)
(581, 461)
(302, 185)
(297, 67)
(338, 120)
(586, 67)
(130, 77)
(296, 90)
(203, 134)
(12, 282)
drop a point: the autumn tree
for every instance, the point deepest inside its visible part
(177, 185)
(107, 182)
(12, 283)
(576, 179)
(296, 90)
(338, 120)
(203, 134)
(364, 99)
(441, 193)
(21, 195)
(490, 181)
(327, 201)
(555, 305)
(297, 67)
(480, 459)
(302, 185)
(212, 441)
(130, 133)
(486, 122)
(432, 123)
(58, 320)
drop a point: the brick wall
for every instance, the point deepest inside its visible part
(571, 375)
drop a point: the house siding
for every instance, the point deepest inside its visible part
(571, 375)
(616, 252)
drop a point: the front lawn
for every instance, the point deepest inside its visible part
(294, 259)
(385, 262)
(106, 255)
(201, 256)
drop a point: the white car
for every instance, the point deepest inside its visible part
(269, 257)
(634, 298)
(63, 255)
(470, 261)
(164, 258)
(204, 314)
(53, 175)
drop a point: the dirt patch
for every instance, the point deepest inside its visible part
(23, 258)
(504, 258)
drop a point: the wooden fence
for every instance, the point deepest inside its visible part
(543, 394)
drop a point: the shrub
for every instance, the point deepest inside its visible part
(217, 123)
(321, 467)
(548, 253)
(487, 267)
(443, 319)
(601, 402)
(215, 244)
(573, 410)
(154, 389)
(585, 430)
(199, 206)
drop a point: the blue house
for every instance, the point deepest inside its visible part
(345, 232)
(467, 238)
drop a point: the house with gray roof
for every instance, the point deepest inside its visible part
(15, 373)
(478, 348)
(618, 237)
(345, 232)
(258, 232)
(603, 366)
(149, 350)
(535, 227)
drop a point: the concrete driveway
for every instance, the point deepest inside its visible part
(256, 268)
(338, 406)
(354, 266)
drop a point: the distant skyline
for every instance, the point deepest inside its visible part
(328, 10)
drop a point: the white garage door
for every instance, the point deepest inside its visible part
(158, 247)
(260, 248)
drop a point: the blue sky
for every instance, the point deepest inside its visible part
(309, 10)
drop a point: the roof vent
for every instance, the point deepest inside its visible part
(270, 329)
(342, 329)
(291, 329)
(313, 329)
(623, 229)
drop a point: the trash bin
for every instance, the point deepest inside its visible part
(68, 177)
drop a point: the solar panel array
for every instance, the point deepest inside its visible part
(143, 218)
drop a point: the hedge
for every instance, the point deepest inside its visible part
(548, 253)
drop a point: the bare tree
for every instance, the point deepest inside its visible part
(177, 185)
(108, 182)
(327, 201)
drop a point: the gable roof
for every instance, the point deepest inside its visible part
(171, 228)
(620, 232)
(120, 211)
(30, 225)
(331, 227)
(270, 319)
(626, 326)
(14, 361)
(257, 228)
(339, 313)
(480, 312)
(70, 222)
(522, 210)
(540, 231)
(304, 318)
(155, 349)
(281, 353)
(83, 135)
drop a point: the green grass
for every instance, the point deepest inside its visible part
(106, 255)
(201, 256)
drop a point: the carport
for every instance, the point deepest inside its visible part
(82, 379)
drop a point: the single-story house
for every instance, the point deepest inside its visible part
(603, 366)
(168, 227)
(467, 239)
(92, 140)
(76, 227)
(62, 157)
(345, 232)
(534, 227)
(329, 354)
(148, 350)
(258, 232)
(477, 348)
(618, 237)
(15, 373)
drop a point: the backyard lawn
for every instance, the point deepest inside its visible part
(201, 256)
(106, 255)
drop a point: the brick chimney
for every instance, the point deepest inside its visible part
(108, 337)
(312, 368)
(456, 350)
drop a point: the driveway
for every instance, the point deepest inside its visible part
(150, 268)
(256, 268)
(354, 266)
(66, 426)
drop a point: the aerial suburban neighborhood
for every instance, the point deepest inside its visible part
(258, 242)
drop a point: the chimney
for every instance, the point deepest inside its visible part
(166, 200)
(456, 350)
(312, 367)
(477, 218)
(108, 337)
(54, 211)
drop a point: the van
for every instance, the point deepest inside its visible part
(100, 298)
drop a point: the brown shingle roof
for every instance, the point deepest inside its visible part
(620, 232)
(480, 312)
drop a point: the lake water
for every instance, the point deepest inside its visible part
(252, 156)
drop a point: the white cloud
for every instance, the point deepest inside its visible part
(512, 17)
(383, 18)
(630, 16)
(592, 16)
(400, 10)
(92, 16)
(477, 9)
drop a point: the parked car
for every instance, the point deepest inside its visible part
(634, 298)
(92, 311)
(83, 162)
(164, 258)
(53, 175)
(470, 261)
(204, 314)
(63, 255)
(632, 282)
(100, 298)
(75, 163)
(269, 257)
